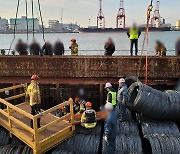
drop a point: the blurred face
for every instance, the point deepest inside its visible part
(107, 89)
(121, 84)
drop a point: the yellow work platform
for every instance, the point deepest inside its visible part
(53, 130)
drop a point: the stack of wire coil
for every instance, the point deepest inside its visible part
(128, 139)
(163, 136)
(84, 141)
(154, 103)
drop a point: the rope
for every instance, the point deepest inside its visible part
(15, 24)
(32, 4)
(144, 40)
(40, 13)
(27, 20)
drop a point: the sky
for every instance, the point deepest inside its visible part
(81, 11)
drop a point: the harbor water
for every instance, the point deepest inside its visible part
(93, 43)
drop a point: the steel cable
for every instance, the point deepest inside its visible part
(40, 13)
(154, 103)
(27, 20)
(32, 7)
(15, 24)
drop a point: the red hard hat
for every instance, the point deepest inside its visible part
(88, 104)
(34, 77)
(77, 99)
(73, 40)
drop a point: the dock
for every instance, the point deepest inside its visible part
(16, 119)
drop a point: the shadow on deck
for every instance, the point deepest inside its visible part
(53, 130)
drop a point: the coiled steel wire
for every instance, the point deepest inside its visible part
(164, 144)
(94, 131)
(16, 141)
(130, 80)
(154, 103)
(157, 127)
(4, 137)
(177, 87)
(80, 143)
(126, 144)
(128, 127)
(9, 149)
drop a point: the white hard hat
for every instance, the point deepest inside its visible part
(122, 80)
(109, 106)
(108, 85)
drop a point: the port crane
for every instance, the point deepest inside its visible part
(156, 16)
(121, 17)
(100, 17)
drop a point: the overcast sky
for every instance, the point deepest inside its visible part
(81, 10)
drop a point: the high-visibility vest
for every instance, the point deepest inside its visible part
(33, 92)
(134, 33)
(113, 94)
(74, 49)
(88, 119)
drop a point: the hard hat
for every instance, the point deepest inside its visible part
(73, 40)
(77, 99)
(108, 85)
(70, 100)
(34, 77)
(122, 80)
(109, 106)
(88, 104)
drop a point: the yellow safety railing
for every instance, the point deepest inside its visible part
(38, 146)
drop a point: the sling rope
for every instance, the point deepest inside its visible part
(145, 40)
(40, 13)
(32, 7)
(27, 20)
(15, 25)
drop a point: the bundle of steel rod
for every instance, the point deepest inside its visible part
(10, 149)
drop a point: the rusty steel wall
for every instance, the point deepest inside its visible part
(87, 68)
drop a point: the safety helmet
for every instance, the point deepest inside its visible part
(34, 77)
(109, 106)
(77, 99)
(73, 40)
(70, 100)
(122, 80)
(88, 104)
(108, 85)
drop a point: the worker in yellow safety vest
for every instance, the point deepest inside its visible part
(88, 119)
(33, 95)
(74, 47)
(111, 96)
(134, 34)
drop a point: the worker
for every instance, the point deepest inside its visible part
(109, 47)
(82, 104)
(122, 100)
(74, 47)
(21, 47)
(33, 94)
(110, 129)
(134, 34)
(111, 96)
(35, 48)
(88, 119)
(177, 48)
(47, 49)
(76, 105)
(160, 49)
(58, 48)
